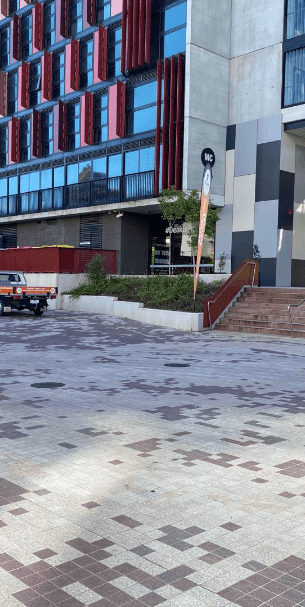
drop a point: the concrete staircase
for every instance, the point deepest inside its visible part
(264, 310)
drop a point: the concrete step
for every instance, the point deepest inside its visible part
(253, 330)
(259, 315)
(242, 322)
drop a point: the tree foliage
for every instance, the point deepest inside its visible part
(176, 204)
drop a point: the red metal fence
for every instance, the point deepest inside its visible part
(53, 259)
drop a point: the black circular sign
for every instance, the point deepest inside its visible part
(207, 157)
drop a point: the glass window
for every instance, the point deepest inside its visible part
(72, 173)
(115, 165)
(100, 118)
(147, 159)
(48, 24)
(175, 16)
(12, 89)
(132, 162)
(86, 64)
(24, 203)
(47, 133)
(13, 6)
(3, 187)
(99, 168)
(295, 18)
(24, 183)
(34, 181)
(75, 16)
(59, 176)
(73, 120)
(46, 179)
(13, 185)
(25, 139)
(114, 52)
(102, 10)
(4, 47)
(3, 146)
(26, 35)
(294, 91)
(84, 171)
(35, 83)
(58, 74)
(144, 120)
(174, 43)
(145, 95)
(33, 201)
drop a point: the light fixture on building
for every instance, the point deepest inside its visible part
(119, 215)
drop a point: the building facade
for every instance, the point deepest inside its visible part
(104, 103)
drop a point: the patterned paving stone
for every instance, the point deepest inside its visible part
(143, 484)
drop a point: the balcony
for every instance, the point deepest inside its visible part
(114, 190)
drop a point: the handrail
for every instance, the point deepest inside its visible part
(289, 313)
(236, 285)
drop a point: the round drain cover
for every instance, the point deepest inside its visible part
(48, 384)
(176, 365)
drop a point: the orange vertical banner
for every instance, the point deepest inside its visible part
(208, 160)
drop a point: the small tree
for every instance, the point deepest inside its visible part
(95, 269)
(222, 261)
(255, 252)
(180, 205)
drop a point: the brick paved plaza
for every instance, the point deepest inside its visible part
(140, 482)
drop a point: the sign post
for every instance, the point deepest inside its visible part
(208, 161)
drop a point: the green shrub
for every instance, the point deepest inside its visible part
(95, 269)
(161, 292)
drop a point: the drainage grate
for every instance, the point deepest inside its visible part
(48, 384)
(176, 365)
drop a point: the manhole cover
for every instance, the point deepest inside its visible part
(176, 365)
(48, 384)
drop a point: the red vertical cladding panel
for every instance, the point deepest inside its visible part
(178, 122)
(36, 150)
(15, 141)
(62, 126)
(38, 26)
(147, 31)
(3, 93)
(47, 76)
(165, 126)
(74, 73)
(64, 18)
(102, 53)
(17, 37)
(135, 37)
(172, 116)
(120, 116)
(89, 109)
(141, 47)
(124, 37)
(91, 12)
(129, 34)
(5, 11)
(158, 128)
(25, 84)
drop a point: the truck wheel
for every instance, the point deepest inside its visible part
(38, 312)
(1, 309)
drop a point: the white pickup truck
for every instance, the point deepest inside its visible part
(16, 295)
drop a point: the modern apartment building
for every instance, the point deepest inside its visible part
(103, 103)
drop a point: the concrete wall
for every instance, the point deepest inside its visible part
(206, 91)
(64, 282)
(49, 232)
(256, 64)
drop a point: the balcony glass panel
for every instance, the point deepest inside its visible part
(295, 18)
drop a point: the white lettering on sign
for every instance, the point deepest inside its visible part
(208, 157)
(207, 182)
(174, 230)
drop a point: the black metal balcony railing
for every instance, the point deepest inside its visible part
(90, 193)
